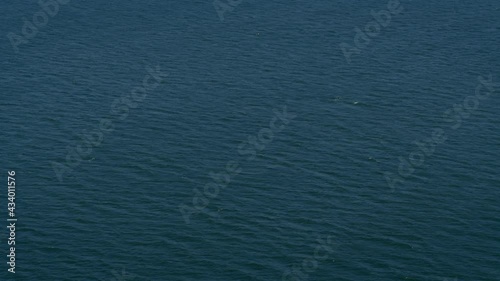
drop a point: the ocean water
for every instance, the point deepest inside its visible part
(319, 176)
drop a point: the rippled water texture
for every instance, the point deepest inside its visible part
(116, 216)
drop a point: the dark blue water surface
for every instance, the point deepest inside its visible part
(116, 214)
